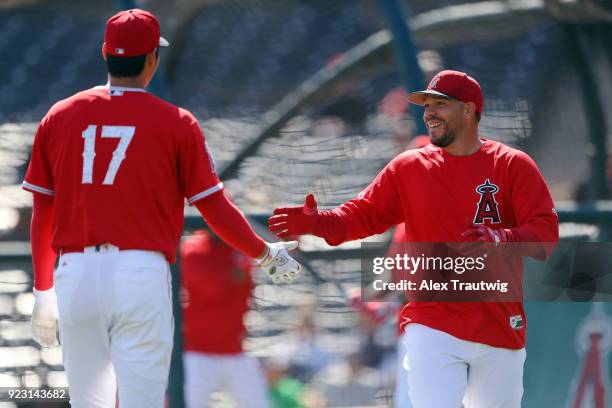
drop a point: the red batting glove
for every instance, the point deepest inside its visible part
(482, 233)
(299, 220)
(476, 238)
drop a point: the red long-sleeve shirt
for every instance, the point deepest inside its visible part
(433, 193)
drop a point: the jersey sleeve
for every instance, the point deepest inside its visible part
(39, 176)
(197, 173)
(377, 207)
(532, 203)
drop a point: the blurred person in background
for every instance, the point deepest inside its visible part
(374, 349)
(307, 357)
(216, 287)
(285, 391)
(306, 354)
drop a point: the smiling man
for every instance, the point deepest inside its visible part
(471, 353)
(445, 112)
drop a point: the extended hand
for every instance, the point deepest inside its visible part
(300, 220)
(45, 318)
(277, 262)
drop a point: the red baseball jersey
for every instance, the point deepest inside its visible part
(120, 163)
(434, 193)
(216, 281)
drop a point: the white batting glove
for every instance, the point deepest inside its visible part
(277, 262)
(44, 318)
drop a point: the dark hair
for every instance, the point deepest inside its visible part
(120, 67)
(477, 116)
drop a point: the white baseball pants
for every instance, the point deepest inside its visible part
(444, 371)
(239, 375)
(401, 398)
(116, 326)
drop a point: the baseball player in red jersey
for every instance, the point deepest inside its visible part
(110, 170)
(217, 286)
(456, 352)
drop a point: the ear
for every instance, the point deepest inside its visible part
(151, 58)
(469, 109)
(103, 52)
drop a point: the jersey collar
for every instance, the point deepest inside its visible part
(119, 89)
(125, 89)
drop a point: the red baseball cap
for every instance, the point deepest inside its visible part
(451, 84)
(132, 32)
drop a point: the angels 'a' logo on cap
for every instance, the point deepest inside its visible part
(434, 82)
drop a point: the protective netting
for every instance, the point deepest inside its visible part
(230, 63)
(522, 63)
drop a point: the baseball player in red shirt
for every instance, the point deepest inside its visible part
(217, 286)
(111, 167)
(456, 352)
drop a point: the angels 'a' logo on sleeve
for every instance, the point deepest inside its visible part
(487, 208)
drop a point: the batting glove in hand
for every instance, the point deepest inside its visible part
(482, 233)
(277, 262)
(478, 240)
(300, 220)
(44, 318)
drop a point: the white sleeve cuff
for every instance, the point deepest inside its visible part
(204, 193)
(37, 189)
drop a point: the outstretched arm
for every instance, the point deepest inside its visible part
(230, 224)
(375, 209)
